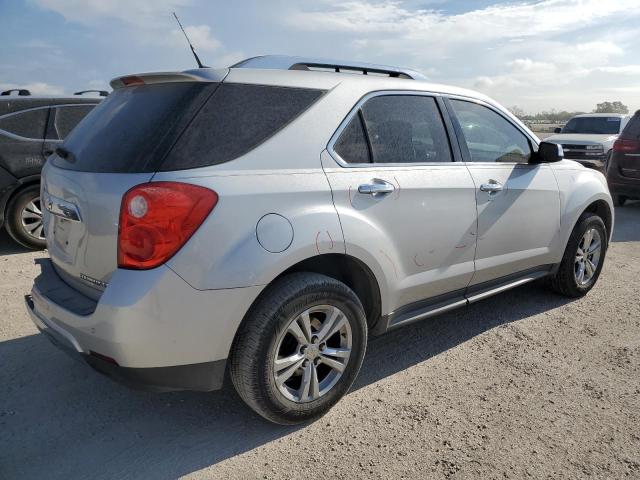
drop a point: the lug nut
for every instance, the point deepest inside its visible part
(323, 346)
(314, 339)
(303, 348)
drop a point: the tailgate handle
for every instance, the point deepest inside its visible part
(62, 208)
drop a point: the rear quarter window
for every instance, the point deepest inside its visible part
(235, 120)
(65, 119)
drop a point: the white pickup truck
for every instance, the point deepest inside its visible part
(588, 138)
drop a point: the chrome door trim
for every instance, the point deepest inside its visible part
(61, 208)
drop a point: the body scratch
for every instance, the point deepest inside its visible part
(350, 200)
(329, 235)
(395, 271)
(317, 246)
(415, 260)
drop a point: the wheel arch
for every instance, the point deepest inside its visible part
(8, 197)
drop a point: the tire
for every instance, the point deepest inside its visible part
(567, 280)
(619, 200)
(265, 336)
(21, 218)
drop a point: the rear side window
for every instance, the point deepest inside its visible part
(632, 130)
(65, 119)
(28, 124)
(489, 136)
(395, 129)
(235, 120)
(132, 130)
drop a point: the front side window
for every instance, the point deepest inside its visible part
(489, 136)
(28, 124)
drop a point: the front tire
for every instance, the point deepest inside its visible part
(24, 218)
(583, 258)
(299, 349)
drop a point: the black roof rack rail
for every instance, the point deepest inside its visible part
(102, 93)
(283, 62)
(23, 92)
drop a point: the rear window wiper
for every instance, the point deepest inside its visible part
(66, 154)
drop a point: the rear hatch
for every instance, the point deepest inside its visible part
(120, 144)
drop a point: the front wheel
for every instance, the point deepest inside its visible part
(583, 258)
(300, 348)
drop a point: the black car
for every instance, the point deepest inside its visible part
(623, 168)
(30, 130)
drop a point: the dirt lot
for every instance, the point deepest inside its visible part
(526, 384)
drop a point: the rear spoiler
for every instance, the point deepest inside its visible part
(197, 75)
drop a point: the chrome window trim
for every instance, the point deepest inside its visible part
(354, 111)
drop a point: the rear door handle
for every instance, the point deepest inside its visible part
(376, 187)
(491, 187)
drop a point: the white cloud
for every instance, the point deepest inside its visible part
(36, 88)
(200, 36)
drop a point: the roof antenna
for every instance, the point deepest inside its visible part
(200, 65)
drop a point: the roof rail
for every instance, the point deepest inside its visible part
(102, 93)
(23, 92)
(283, 62)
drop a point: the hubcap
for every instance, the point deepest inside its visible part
(312, 353)
(31, 218)
(587, 256)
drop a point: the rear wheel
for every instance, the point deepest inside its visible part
(619, 200)
(300, 348)
(583, 258)
(24, 218)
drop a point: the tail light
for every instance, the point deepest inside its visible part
(626, 145)
(157, 219)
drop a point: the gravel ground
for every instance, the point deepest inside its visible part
(525, 384)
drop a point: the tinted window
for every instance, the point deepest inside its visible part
(29, 124)
(66, 118)
(405, 129)
(632, 130)
(593, 125)
(352, 144)
(489, 136)
(134, 127)
(235, 120)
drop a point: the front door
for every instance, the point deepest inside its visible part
(518, 203)
(404, 204)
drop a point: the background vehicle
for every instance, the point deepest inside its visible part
(30, 129)
(623, 168)
(268, 217)
(588, 138)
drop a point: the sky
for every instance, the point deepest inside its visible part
(537, 55)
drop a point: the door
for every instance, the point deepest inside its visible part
(62, 121)
(21, 135)
(405, 206)
(518, 203)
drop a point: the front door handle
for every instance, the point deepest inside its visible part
(376, 187)
(491, 187)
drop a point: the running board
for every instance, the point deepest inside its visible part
(475, 293)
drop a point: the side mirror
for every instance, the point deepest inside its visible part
(548, 153)
(557, 130)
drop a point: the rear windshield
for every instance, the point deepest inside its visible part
(176, 126)
(235, 120)
(133, 128)
(593, 125)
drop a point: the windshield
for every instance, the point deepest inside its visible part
(593, 125)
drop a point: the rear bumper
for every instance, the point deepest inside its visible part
(150, 331)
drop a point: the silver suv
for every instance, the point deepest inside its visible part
(265, 219)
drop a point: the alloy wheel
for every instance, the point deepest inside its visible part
(587, 256)
(312, 353)
(31, 219)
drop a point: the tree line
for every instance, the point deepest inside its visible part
(555, 116)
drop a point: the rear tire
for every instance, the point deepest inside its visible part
(24, 218)
(273, 344)
(619, 200)
(583, 258)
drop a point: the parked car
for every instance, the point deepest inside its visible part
(623, 169)
(265, 219)
(589, 138)
(30, 129)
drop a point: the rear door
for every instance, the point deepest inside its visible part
(62, 120)
(403, 202)
(518, 203)
(21, 137)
